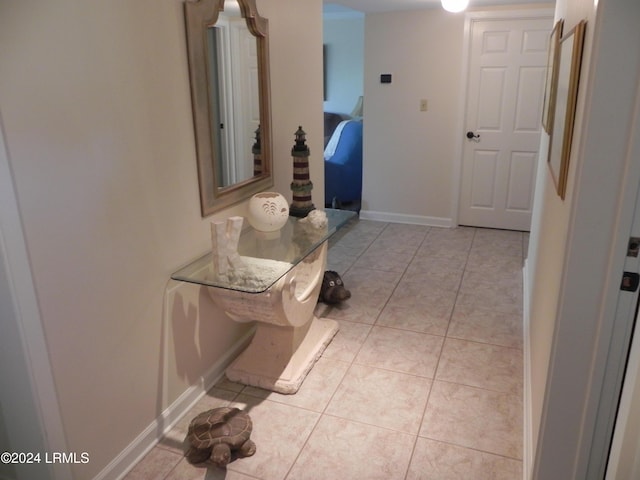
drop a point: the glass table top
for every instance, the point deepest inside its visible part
(266, 257)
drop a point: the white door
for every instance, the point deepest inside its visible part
(246, 98)
(506, 76)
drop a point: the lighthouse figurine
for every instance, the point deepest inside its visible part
(301, 185)
(256, 149)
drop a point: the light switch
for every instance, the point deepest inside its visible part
(423, 105)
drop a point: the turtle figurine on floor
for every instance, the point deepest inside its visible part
(215, 434)
(333, 290)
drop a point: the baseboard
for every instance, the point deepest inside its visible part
(403, 218)
(527, 447)
(151, 435)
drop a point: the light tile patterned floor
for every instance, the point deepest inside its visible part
(423, 380)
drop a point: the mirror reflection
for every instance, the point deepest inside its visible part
(228, 66)
(234, 95)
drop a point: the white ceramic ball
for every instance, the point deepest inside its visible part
(268, 211)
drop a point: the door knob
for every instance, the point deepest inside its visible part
(471, 135)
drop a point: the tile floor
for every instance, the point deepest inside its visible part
(423, 380)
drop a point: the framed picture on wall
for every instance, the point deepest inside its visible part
(552, 77)
(569, 61)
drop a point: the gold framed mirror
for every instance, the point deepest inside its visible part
(228, 52)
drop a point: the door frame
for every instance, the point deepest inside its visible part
(624, 461)
(470, 19)
(32, 416)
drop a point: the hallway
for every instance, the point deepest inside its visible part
(423, 381)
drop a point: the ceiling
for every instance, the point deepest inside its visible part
(377, 6)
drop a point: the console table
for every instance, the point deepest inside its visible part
(277, 285)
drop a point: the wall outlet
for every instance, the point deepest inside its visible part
(423, 105)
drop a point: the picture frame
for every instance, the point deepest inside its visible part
(552, 77)
(567, 83)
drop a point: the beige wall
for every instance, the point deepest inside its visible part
(97, 117)
(550, 226)
(579, 319)
(409, 154)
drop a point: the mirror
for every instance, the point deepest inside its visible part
(227, 46)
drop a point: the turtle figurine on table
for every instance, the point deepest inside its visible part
(333, 290)
(215, 434)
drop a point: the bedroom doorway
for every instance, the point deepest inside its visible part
(343, 51)
(506, 64)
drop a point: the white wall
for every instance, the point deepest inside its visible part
(97, 118)
(409, 154)
(344, 42)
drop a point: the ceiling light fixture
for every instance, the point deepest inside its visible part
(454, 6)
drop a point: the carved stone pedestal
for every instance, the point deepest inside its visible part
(274, 279)
(289, 338)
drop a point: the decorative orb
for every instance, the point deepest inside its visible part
(268, 211)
